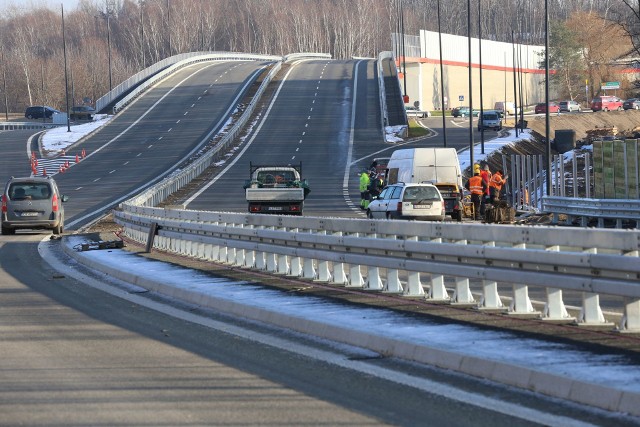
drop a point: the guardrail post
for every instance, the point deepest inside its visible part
(260, 262)
(554, 308)
(521, 303)
(490, 298)
(631, 319)
(462, 294)
(308, 271)
(414, 285)
(296, 262)
(591, 313)
(355, 274)
(323, 267)
(437, 290)
(392, 284)
(339, 275)
(373, 282)
(282, 262)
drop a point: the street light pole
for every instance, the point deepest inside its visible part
(546, 92)
(66, 79)
(109, 45)
(480, 62)
(444, 121)
(471, 159)
(4, 85)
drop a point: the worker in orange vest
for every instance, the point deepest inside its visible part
(485, 173)
(495, 185)
(476, 187)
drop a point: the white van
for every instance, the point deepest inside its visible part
(510, 108)
(438, 166)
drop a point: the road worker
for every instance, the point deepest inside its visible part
(364, 189)
(376, 185)
(485, 173)
(476, 187)
(495, 185)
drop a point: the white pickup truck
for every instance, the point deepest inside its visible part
(276, 189)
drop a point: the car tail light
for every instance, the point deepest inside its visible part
(4, 203)
(399, 208)
(254, 208)
(294, 208)
(54, 203)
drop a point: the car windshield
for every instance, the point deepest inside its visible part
(490, 116)
(29, 191)
(417, 194)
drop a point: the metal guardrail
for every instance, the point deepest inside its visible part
(600, 209)
(132, 81)
(310, 55)
(383, 96)
(185, 62)
(26, 125)
(396, 256)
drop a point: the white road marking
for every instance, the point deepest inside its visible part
(185, 113)
(112, 171)
(169, 130)
(150, 146)
(334, 358)
(139, 154)
(96, 180)
(159, 138)
(79, 188)
(125, 163)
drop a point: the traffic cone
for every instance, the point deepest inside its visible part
(77, 159)
(44, 171)
(83, 153)
(66, 165)
(35, 162)
(61, 170)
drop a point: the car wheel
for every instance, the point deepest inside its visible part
(58, 229)
(8, 231)
(619, 108)
(369, 214)
(388, 215)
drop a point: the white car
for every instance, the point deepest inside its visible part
(408, 201)
(416, 112)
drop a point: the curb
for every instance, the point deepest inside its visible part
(582, 392)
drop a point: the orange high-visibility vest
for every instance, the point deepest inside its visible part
(496, 181)
(475, 184)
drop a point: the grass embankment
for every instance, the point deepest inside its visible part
(415, 130)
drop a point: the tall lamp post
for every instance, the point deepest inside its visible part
(4, 86)
(106, 16)
(66, 79)
(471, 159)
(546, 92)
(444, 121)
(480, 64)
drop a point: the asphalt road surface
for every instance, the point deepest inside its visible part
(75, 355)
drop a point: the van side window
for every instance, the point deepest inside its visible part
(392, 177)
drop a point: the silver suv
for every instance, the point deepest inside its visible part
(408, 201)
(33, 203)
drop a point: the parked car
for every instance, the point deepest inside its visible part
(40, 111)
(569, 106)
(408, 201)
(542, 108)
(506, 109)
(606, 103)
(416, 112)
(490, 119)
(82, 112)
(631, 104)
(32, 203)
(463, 112)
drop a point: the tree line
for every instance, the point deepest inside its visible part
(131, 35)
